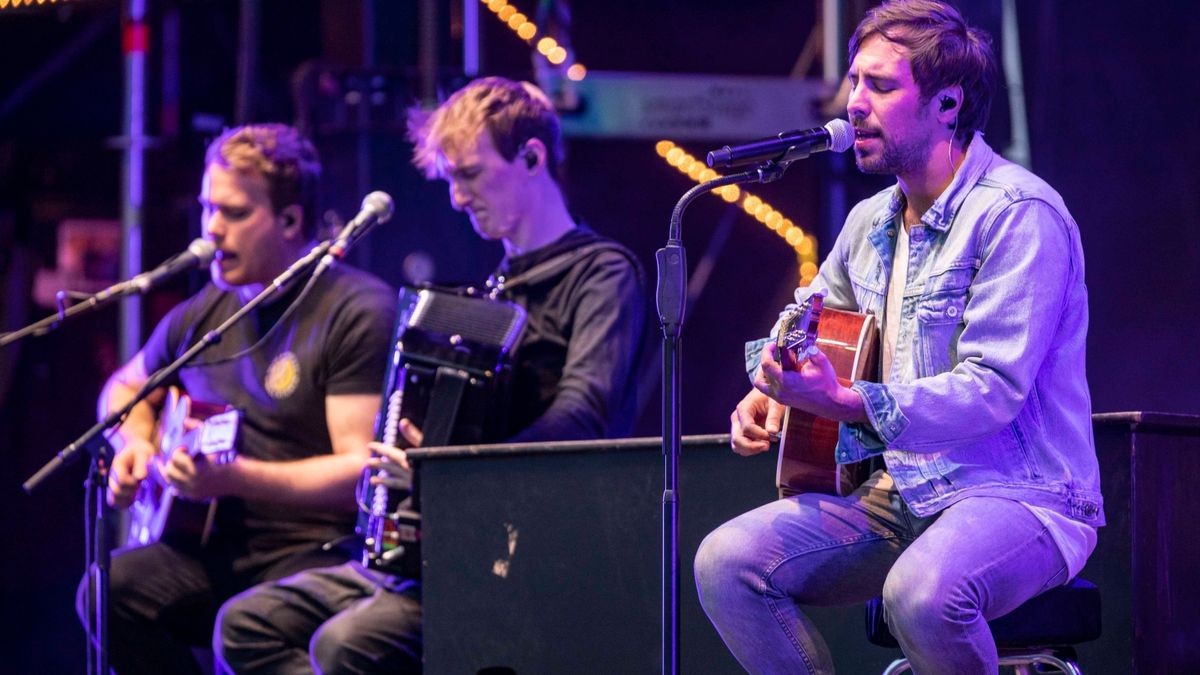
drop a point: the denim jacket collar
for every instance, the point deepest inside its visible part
(941, 214)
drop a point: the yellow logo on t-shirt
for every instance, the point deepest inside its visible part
(283, 376)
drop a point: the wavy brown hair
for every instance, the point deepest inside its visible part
(944, 51)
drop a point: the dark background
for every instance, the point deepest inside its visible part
(1111, 101)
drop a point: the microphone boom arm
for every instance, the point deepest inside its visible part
(199, 252)
(87, 441)
(48, 324)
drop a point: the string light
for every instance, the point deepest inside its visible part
(525, 29)
(803, 244)
(17, 4)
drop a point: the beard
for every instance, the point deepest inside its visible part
(898, 157)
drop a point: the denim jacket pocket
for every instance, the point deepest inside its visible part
(945, 295)
(869, 289)
(945, 307)
(940, 318)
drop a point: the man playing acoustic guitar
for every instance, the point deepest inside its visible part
(991, 492)
(304, 371)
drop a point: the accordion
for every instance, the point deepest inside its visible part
(447, 374)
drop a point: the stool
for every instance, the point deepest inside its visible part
(1041, 631)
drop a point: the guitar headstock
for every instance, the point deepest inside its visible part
(798, 329)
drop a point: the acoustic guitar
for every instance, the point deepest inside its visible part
(806, 444)
(158, 510)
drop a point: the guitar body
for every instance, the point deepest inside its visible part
(159, 511)
(806, 446)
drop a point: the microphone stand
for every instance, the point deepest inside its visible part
(86, 305)
(672, 297)
(95, 443)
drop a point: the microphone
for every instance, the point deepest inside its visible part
(199, 253)
(376, 208)
(837, 135)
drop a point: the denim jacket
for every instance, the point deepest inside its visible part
(987, 392)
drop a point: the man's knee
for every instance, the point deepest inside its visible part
(333, 646)
(722, 559)
(231, 623)
(117, 596)
(923, 599)
(344, 644)
(240, 625)
(710, 560)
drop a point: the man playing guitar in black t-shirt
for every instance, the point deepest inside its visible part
(303, 369)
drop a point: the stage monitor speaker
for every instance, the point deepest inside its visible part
(546, 558)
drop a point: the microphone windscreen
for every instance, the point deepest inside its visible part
(380, 203)
(841, 135)
(204, 250)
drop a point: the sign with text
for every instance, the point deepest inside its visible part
(687, 107)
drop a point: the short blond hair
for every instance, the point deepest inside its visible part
(287, 161)
(512, 112)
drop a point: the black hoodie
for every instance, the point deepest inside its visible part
(573, 371)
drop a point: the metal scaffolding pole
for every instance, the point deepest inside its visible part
(247, 61)
(833, 56)
(135, 42)
(471, 38)
(427, 50)
(1010, 48)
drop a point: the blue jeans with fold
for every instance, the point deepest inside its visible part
(942, 577)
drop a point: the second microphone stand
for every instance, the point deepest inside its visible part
(671, 298)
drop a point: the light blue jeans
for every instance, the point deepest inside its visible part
(941, 577)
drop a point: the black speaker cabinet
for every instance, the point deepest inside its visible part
(546, 558)
(1148, 557)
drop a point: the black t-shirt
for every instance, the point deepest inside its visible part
(277, 365)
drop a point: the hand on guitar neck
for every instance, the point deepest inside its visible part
(784, 381)
(801, 392)
(810, 384)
